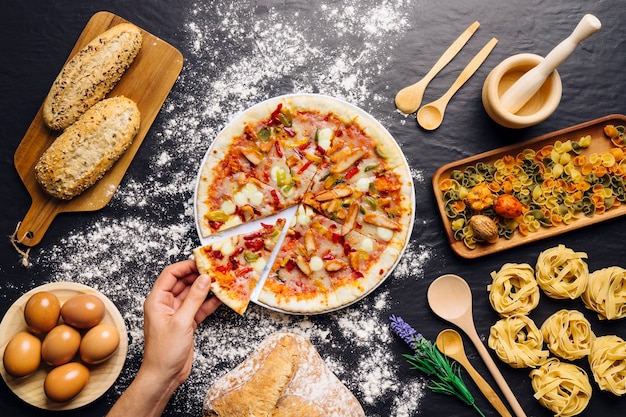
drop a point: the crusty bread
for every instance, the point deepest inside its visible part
(284, 376)
(90, 74)
(258, 395)
(87, 149)
(293, 406)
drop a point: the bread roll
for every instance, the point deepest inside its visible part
(90, 74)
(86, 150)
(284, 376)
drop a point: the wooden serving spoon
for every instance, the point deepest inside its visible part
(430, 115)
(450, 297)
(449, 342)
(409, 98)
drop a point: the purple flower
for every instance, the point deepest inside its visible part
(405, 331)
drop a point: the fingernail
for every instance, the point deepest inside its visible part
(204, 281)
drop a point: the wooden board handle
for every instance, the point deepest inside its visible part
(36, 222)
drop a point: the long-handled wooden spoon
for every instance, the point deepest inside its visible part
(449, 342)
(409, 98)
(430, 115)
(450, 297)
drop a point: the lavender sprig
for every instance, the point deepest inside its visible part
(428, 359)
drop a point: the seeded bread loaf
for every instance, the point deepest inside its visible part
(283, 377)
(87, 149)
(90, 74)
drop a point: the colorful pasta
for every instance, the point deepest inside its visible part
(568, 335)
(518, 342)
(555, 184)
(607, 361)
(562, 273)
(563, 388)
(513, 290)
(606, 293)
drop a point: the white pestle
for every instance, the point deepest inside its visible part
(523, 89)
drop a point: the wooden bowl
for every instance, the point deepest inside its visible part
(537, 109)
(102, 376)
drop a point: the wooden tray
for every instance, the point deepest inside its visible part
(600, 144)
(101, 376)
(148, 81)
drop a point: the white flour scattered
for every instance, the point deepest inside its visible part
(149, 223)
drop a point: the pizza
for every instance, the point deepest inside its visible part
(340, 175)
(235, 263)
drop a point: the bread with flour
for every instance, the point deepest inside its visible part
(284, 376)
(87, 149)
(90, 74)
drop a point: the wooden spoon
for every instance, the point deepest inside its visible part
(523, 89)
(430, 115)
(450, 297)
(409, 98)
(449, 342)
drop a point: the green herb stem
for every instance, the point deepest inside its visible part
(446, 375)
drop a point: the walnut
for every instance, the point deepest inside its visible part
(484, 228)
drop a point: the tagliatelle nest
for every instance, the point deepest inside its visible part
(513, 290)
(568, 334)
(561, 387)
(518, 342)
(562, 273)
(606, 293)
(607, 360)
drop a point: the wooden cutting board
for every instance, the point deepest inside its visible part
(148, 81)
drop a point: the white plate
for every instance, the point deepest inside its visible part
(324, 102)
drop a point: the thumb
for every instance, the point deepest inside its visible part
(196, 296)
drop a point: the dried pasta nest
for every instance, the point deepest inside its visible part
(518, 342)
(562, 273)
(606, 293)
(607, 360)
(568, 335)
(513, 290)
(563, 388)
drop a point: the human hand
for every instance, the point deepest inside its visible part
(172, 311)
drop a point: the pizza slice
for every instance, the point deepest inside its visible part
(318, 269)
(298, 281)
(235, 264)
(227, 200)
(369, 262)
(364, 184)
(373, 200)
(273, 147)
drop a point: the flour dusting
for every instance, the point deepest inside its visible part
(150, 221)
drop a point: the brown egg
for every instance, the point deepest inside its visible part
(83, 311)
(41, 312)
(99, 343)
(60, 345)
(22, 355)
(66, 381)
